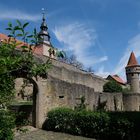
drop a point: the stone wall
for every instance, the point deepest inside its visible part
(61, 93)
(71, 74)
(58, 93)
(131, 102)
(66, 84)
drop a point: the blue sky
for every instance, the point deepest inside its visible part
(101, 33)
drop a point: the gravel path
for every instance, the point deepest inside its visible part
(48, 135)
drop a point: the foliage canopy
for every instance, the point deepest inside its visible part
(112, 86)
(18, 62)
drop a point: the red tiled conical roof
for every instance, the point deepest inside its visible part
(132, 60)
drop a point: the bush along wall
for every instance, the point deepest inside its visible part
(130, 123)
(6, 125)
(99, 125)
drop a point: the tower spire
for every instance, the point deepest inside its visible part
(132, 60)
(43, 13)
(43, 34)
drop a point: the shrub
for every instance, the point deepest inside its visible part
(59, 119)
(132, 123)
(6, 125)
(21, 119)
(112, 86)
(86, 123)
(92, 124)
(120, 128)
(99, 125)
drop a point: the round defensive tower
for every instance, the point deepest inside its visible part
(132, 73)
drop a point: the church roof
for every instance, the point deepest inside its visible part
(132, 60)
(3, 37)
(36, 50)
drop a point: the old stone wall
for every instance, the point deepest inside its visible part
(58, 93)
(71, 74)
(61, 93)
(65, 86)
(131, 101)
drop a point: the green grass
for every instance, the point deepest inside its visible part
(22, 103)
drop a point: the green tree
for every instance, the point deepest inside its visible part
(60, 55)
(112, 86)
(15, 63)
(18, 62)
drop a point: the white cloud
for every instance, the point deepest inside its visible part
(6, 14)
(80, 40)
(92, 60)
(101, 72)
(133, 45)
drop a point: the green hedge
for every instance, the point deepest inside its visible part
(99, 125)
(133, 118)
(6, 125)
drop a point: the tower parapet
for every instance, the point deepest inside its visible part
(132, 73)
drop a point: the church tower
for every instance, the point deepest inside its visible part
(44, 40)
(43, 34)
(132, 73)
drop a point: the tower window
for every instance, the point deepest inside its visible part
(46, 38)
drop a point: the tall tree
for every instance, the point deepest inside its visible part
(15, 62)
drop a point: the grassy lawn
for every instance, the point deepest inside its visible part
(22, 103)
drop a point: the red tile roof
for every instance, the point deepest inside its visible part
(3, 37)
(132, 60)
(37, 50)
(116, 78)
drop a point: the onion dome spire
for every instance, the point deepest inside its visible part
(43, 34)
